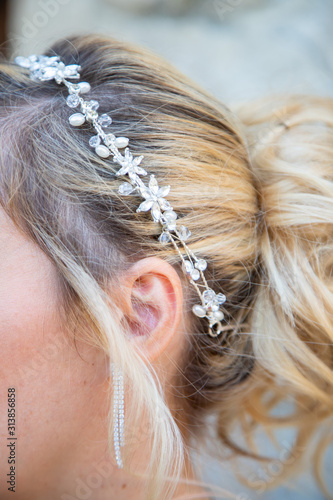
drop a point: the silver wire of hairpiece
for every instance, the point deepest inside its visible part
(44, 68)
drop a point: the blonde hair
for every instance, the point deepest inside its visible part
(253, 185)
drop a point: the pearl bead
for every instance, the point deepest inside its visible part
(102, 151)
(218, 315)
(77, 119)
(199, 311)
(84, 87)
(121, 142)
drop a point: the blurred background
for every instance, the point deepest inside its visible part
(237, 50)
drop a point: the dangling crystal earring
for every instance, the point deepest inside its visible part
(118, 413)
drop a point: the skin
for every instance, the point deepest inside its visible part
(61, 404)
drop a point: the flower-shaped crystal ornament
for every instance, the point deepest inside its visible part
(43, 68)
(154, 199)
(130, 165)
(48, 68)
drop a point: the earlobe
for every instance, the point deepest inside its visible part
(152, 304)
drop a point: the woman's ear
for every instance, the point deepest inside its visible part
(152, 302)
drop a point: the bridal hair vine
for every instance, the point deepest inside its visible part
(43, 68)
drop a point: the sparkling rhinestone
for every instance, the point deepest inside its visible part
(164, 238)
(73, 100)
(77, 119)
(170, 215)
(187, 266)
(105, 120)
(199, 311)
(208, 295)
(221, 298)
(121, 142)
(184, 232)
(144, 206)
(94, 141)
(156, 212)
(102, 151)
(201, 264)
(125, 188)
(195, 275)
(84, 87)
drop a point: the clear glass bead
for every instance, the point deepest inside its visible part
(94, 105)
(125, 188)
(94, 141)
(164, 238)
(170, 216)
(221, 298)
(105, 120)
(208, 295)
(171, 225)
(187, 266)
(184, 232)
(201, 264)
(73, 100)
(195, 274)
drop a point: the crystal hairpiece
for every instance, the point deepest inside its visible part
(43, 68)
